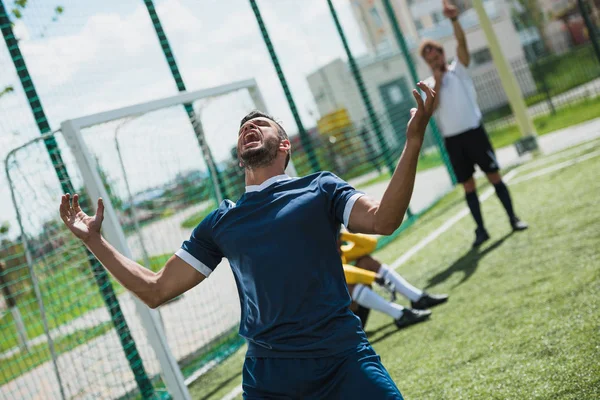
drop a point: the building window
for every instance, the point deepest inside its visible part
(418, 25)
(376, 17)
(384, 46)
(395, 94)
(481, 56)
(436, 17)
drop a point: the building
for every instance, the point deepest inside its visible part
(375, 26)
(386, 74)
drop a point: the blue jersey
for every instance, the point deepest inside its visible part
(281, 241)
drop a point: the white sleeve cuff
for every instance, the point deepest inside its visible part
(349, 206)
(194, 262)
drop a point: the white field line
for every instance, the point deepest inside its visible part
(557, 167)
(233, 394)
(558, 155)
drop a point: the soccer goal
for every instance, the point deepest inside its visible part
(160, 167)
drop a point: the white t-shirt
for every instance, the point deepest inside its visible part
(457, 109)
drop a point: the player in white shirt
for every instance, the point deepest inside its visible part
(459, 117)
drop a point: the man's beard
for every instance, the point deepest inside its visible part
(261, 156)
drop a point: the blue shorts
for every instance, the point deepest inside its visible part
(356, 374)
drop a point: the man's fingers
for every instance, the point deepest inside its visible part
(76, 207)
(424, 88)
(100, 210)
(418, 98)
(64, 207)
(430, 94)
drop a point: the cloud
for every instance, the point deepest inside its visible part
(20, 30)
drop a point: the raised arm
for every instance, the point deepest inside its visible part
(462, 52)
(153, 288)
(371, 216)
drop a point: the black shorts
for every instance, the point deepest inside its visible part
(469, 148)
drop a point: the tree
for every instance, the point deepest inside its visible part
(528, 13)
(21, 5)
(4, 229)
(7, 90)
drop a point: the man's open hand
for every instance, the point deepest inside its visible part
(449, 10)
(420, 116)
(82, 225)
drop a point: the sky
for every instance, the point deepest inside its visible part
(104, 55)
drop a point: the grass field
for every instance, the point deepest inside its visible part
(522, 320)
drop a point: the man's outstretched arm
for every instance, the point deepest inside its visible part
(462, 52)
(371, 216)
(153, 288)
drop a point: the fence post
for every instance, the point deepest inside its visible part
(541, 73)
(509, 82)
(304, 138)
(585, 13)
(9, 298)
(216, 178)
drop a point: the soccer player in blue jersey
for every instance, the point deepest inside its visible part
(281, 241)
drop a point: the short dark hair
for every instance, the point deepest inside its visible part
(280, 131)
(427, 45)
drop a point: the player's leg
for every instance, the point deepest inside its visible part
(485, 157)
(464, 168)
(360, 311)
(403, 317)
(419, 299)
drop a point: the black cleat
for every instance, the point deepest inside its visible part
(518, 225)
(411, 317)
(429, 300)
(481, 236)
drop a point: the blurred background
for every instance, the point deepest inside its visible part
(337, 75)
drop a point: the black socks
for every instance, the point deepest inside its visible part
(504, 196)
(473, 202)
